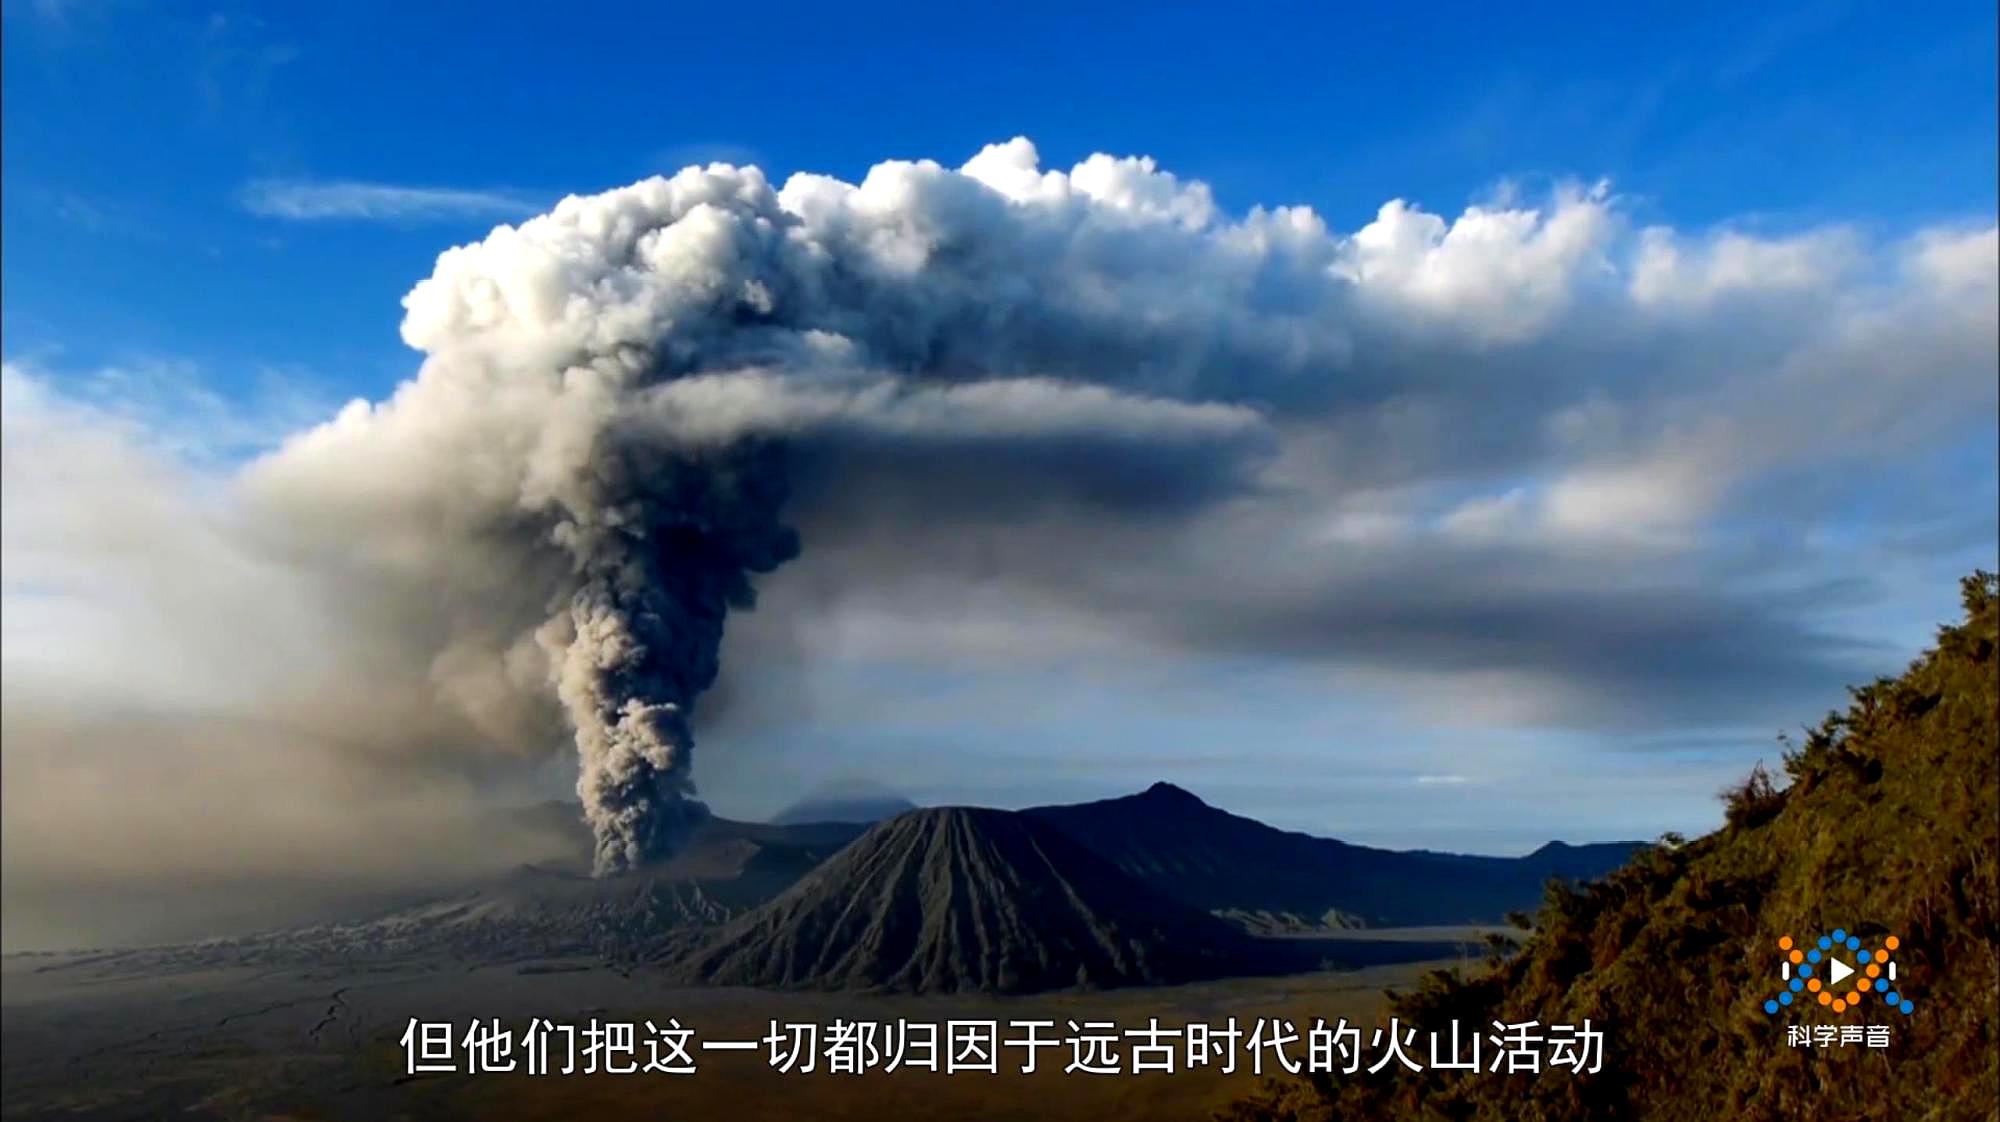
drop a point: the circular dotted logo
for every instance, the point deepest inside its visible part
(1838, 973)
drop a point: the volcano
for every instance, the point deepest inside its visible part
(967, 899)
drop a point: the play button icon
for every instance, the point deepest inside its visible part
(1836, 972)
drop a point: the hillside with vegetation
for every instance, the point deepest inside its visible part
(1889, 824)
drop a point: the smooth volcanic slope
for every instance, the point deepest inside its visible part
(958, 898)
(1220, 862)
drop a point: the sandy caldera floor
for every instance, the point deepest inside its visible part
(122, 1038)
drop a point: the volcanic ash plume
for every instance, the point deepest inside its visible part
(638, 639)
(1090, 392)
(595, 459)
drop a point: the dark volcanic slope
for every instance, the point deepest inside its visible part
(1220, 862)
(957, 899)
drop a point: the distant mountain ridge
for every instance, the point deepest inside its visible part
(1201, 855)
(1140, 889)
(864, 808)
(1221, 862)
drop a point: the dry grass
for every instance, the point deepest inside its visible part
(1890, 825)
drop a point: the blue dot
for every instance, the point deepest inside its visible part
(1797, 985)
(1839, 935)
(1812, 956)
(1825, 943)
(1785, 998)
(1853, 944)
(1893, 999)
(1906, 1007)
(1864, 958)
(1770, 1007)
(1805, 970)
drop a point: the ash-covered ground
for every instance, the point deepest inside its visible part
(940, 915)
(130, 1037)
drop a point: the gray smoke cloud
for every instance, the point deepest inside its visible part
(663, 549)
(627, 403)
(620, 396)
(1503, 448)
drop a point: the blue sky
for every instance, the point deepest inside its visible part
(133, 129)
(245, 195)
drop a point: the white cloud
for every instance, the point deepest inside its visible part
(1500, 274)
(168, 406)
(1731, 264)
(1958, 259)
(310, 200)
(1529, 396)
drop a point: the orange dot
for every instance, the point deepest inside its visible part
(1825, 997)
(1874, 971)
(1784, 942)
(1862, 984)
(1892, 942)
(1839, 1006)
(1812, 984)
(1797, 957)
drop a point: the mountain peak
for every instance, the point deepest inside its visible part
(850, 800)
(1164, 791)
(942, 818)
(960, 898)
